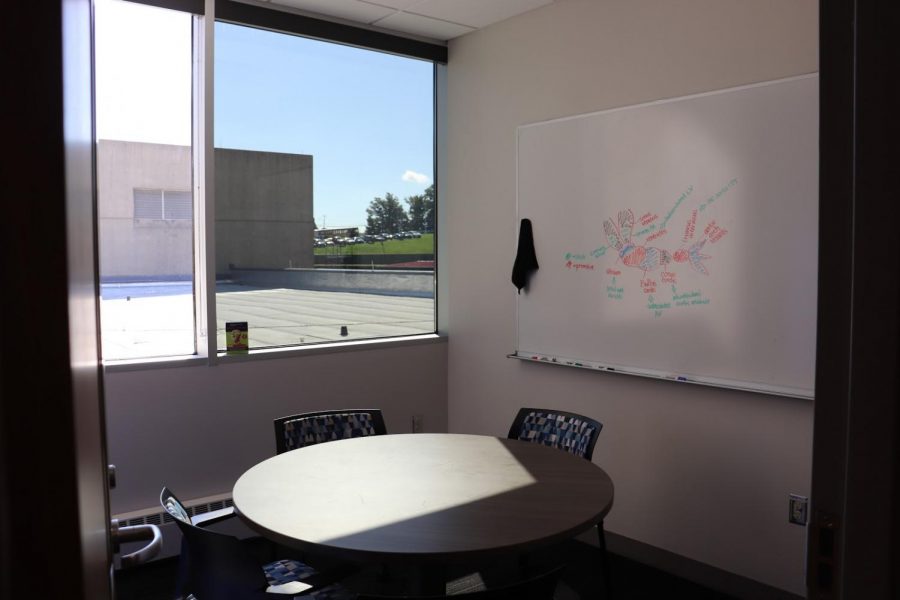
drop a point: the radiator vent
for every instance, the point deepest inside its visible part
(164, 518)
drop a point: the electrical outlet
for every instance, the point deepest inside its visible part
(798, 507)
(417, 423)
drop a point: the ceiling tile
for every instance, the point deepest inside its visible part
(424, 26)
(352, 10)
(475, 13)
(398, 4)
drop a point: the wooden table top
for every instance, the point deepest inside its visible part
(422, 496)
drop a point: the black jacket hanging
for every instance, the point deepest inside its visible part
(526, 260)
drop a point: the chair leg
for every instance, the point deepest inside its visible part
(604, 561)
(183, 579)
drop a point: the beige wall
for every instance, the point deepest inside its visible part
(196, 429)
(701, 472)
(264, 210)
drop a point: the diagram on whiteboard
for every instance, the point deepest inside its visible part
(653, 254)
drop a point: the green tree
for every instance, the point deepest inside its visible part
(386, 215)
(417, 211)
(421, 210)
(429, 204)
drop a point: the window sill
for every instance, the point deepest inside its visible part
(170, 362)
(147, 364)
(332, 348)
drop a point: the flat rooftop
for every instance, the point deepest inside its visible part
(142, 321)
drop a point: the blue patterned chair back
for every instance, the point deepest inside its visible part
(306, 429)
(563, 430)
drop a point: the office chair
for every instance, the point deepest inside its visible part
(219, 567)
(566, 431)
(305, 429)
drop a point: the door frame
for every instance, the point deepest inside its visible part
(854, 525)
(53, 483)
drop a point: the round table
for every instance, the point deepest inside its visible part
(422, 497)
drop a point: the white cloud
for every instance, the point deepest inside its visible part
(415, 177)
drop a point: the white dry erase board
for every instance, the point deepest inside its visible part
(678, 238)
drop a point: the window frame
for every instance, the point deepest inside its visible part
(281, 20)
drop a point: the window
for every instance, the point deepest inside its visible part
(324, 198)
(322, 203)
(163, 205)
(144, 177)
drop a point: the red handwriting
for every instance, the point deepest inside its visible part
(668, 277)
(579, 266)
(648, 218)
(659, 233)
(689, 227)
(717, 235)
(714, 232)
(613, 272)
(648, 286)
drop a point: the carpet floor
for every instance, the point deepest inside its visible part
(581, 579)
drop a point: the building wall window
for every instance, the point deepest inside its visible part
(177, 206)
(163, 205)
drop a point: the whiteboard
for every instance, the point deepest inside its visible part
(677, 239)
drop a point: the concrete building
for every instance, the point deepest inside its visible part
(264, 210)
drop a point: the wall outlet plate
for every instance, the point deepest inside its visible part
(798, 509)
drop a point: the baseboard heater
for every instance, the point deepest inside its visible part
(158, 516)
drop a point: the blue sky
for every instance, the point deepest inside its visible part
(366, 117)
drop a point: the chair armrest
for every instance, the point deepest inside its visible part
(136, 533)
(213, 516)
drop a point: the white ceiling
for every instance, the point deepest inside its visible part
(436, 19)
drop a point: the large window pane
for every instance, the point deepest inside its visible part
(144, 180)
(324, 199)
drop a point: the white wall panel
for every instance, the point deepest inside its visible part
(701, 472)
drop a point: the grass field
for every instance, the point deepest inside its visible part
(422, 245)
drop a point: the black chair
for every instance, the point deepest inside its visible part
(539, 586)
(305, 429)
(566, 431)
(217, 566)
